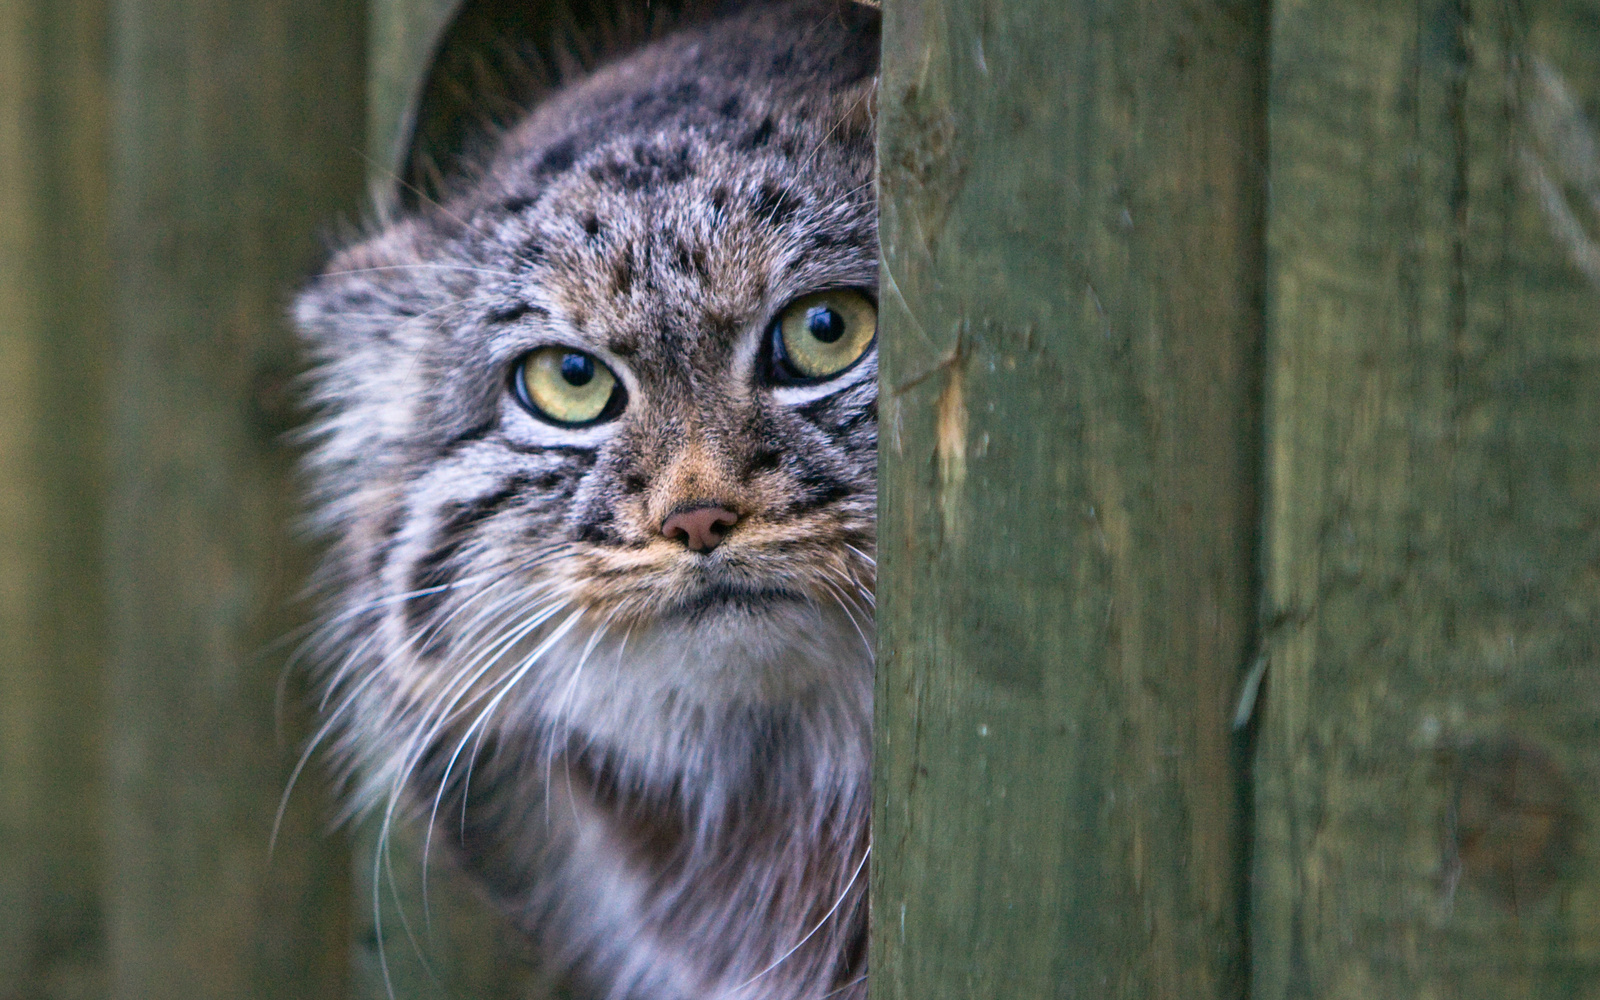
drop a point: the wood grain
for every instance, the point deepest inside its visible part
(1070, 320)
(54, 332)
(1428, 754)
(403, 39)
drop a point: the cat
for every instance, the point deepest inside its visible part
(595, 452)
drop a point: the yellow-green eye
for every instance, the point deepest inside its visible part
(565, 386)
(822, 334)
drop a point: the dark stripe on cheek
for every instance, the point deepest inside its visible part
(434, 572)
(819, 489)
(866, 415)
(466, 514)
(575, 450)
(763, 460)
(475, 433)
(597, 530)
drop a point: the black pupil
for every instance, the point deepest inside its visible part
(824, 324)
(577, 369)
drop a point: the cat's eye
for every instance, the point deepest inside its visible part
(566, 386)
(820, 335)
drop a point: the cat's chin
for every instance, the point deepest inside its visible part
(657, 687)
(737, 602)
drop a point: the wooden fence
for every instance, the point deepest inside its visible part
(1239, 527)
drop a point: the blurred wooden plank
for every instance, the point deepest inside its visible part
(1070, 318)
(237, 134)
(1429, 754)
(54, 338)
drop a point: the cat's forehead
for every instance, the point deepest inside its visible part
(664, 246)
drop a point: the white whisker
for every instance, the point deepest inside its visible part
(838, 902)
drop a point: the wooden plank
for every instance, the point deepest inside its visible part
(54, 322)
(236, 136)
(1428, 752)
(1069, 323)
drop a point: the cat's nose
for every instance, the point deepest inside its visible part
(700, 528)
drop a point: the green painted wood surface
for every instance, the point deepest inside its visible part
(236, 132)
(1070, 331)
(54, 330)
(1429, 752)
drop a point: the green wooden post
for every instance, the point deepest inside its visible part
(1069, 321)
(235, 133)
(54, 330)
(1428, 752)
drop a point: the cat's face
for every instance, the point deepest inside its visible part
(598, 436)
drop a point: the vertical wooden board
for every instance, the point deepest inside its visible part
(1069, 340)
(236, 135)
(54, 335)
(1429, 757)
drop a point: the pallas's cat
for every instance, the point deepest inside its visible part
(596, 453)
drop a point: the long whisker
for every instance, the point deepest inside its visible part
(838, 902)
(486, 659)
(561, 715)
(501, 688)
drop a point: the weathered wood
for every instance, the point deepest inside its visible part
(53, 333)
(1428, 751)
(236, 136)
(1069, 323)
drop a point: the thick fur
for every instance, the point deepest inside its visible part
(656, 760)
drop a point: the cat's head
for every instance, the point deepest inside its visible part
(597, 435)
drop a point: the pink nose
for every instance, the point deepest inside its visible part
(699, 527)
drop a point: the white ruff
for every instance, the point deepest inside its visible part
(659, 694)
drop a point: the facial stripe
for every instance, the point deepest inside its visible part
(436, 571)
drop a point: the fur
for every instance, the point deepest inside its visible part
(657, 761)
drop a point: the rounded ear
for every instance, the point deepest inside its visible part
(499, 58)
